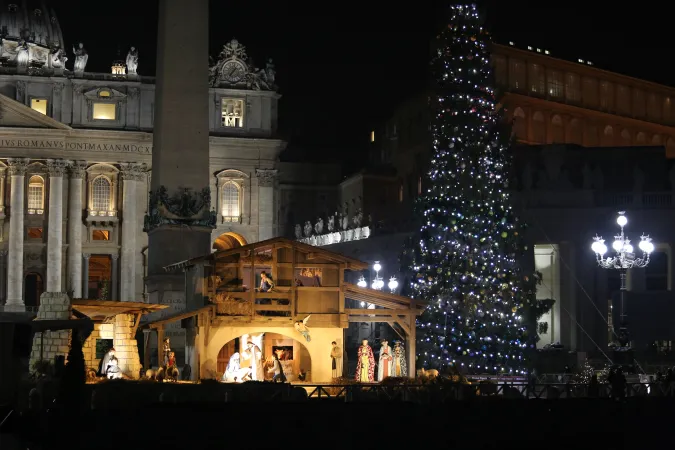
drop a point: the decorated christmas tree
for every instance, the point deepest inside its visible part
(463, 261)
(585, 373)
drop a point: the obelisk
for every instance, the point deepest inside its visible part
(179, 220)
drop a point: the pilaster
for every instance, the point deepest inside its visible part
(131, 174)
(17, 172)
(85, 275)
(266, 180)
(56, 169)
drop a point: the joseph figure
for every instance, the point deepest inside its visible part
(336, 360)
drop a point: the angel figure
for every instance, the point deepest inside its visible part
(301, 327)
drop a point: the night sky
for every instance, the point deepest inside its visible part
(341, 66)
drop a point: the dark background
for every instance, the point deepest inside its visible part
(343, 66)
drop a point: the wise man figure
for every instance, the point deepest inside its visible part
(399, 365)
(384, 367)
(365, 363)
(254, 355)
(336, 360)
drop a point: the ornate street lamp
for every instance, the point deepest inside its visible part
(378, 282)
(623, 260)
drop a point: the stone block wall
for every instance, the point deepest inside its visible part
(53, 306)
(101, 331)
(126, 347)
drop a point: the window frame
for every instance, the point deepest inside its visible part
(48, 111)
(244, 115)
(35, 211)
(224, 182)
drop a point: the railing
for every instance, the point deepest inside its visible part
(446, 392)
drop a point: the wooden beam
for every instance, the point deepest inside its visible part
(273, 269)
(253, 284)
(310, 266)
(272, 307)
(146, 352)
(160, 346)
(294, 287)
(403, 324)
(319, 288)
(341, 294)
(312, 255)
(396, 331)
(371, 319)
(136, 324)
(206, 318)
(379, 312)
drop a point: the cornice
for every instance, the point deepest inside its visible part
(563, 108)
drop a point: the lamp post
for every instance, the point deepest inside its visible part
(623, 260)
(378, 282)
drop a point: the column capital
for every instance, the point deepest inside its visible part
(86, 255)
(115, 256)
(77, 168)
(133, 171)
(266, 177)
(18, 166)
(57, 167)
(3, 253)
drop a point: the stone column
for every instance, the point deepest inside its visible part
(266, 178)
(75, 208)
(131, 174)
(17, 171)
(56, 168)
(3, 276)
(126, 348)
(114, 279)
(85, 275)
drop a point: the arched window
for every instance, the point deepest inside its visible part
(101, 194)
(36, 195)
(231, 202)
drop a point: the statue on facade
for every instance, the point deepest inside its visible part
(22, 54)
(81, 58)
(270, 73)
(132, 61)
(308, 228)
(319, 226)
(331, 223)
(298, 231)
(58, 58)
(358, 218)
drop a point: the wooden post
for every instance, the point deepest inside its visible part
(273, 271)
(341, 294)
(146, 352)
(412, 337)
(294, 291)
(160, 345)
(253, 286)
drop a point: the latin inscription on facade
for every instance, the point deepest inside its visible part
(77, 146)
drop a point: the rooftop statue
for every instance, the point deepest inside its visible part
(81, 58)
(132, 61)
(234, 68)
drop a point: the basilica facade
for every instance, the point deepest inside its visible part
(75, 163)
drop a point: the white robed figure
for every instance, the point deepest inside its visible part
(385, 363)
(234, 372)
(254, 355)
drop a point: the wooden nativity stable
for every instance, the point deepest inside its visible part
(226, 308)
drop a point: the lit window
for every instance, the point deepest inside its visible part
(232, 113)
(104, 94)
(372, 136)
(36, 191)
(104, 111)
(101, 194)
(39, 105)
(555, 84)
(231, 202)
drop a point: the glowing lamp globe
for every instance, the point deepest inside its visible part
(621, 220)
(393, 284)
(628, 248)
(377, 267)
(617, 245)
(362, 283)
(646, 246)
(599, 247)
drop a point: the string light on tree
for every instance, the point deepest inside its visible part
(464, 259)
(623, 260)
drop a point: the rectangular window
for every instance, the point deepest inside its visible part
(537, 79)
(517, 78)
(606, 96)
(555, 84)
(104, 111)
(372, 136)
(232, 113)
(100, 235)
(572, 88)
(35, 195)
(35, 233)
(39, 105)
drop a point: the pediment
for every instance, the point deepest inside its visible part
(15, 114)
(104, 93)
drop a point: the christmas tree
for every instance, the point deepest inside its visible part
(463, 261)
(585, 374)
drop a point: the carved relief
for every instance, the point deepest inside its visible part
(18, 166)
(234, 69)
(57, 167)
(77, 169)
(266, 177)
(184, 207)
(133, 171)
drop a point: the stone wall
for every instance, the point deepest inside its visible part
(53, 306)
(101, 331)
(126, 347)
